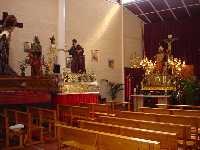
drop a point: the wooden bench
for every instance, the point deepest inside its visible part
(179, 112)
(182, 131)
(98, 109)
(79, 113)
(194, 122)
(178, 106)
(93, 140)
(46, 119)
(4, 131)
(154, 110)
(101, 109)
(29, 135)
(118, 105)
(167, 140)
(64, 114)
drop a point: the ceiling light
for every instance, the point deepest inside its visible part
(127, 1)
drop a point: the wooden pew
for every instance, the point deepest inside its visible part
(179, 112)
(64, 114)
(167, 140)
(4, 131)
(182, 131)
(101, 109)
(184, 120)
(118, 105)
(194, 122)
(93, 140)
(154, 110)
(188, 107)
(29, 135)
(46, 119)
(79, 113)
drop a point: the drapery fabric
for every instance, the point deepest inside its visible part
(75, 99)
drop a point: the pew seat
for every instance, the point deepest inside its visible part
(93, 140)
(167, 140)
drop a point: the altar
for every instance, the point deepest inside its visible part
(161, 79)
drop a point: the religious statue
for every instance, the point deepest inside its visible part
(169, 42)
(4, 49)
(160, 60)
(9, 22)
(78, 59)
(35, 59)
(52, 54)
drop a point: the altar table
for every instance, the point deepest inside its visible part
(138, 100)
(76, 98)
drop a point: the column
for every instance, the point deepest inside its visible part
(61, 34)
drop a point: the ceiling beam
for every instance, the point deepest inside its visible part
(141, 11)
(162, 10)
(170, 10)
(186, 8)
(154, 8)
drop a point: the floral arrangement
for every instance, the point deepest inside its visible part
(115, 88)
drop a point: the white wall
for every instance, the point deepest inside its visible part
(39, 18)
(132, 34)
(97, 25)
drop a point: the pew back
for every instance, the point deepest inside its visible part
(167, 140)
(64, 113)
(154, 110)
(93, 140)
(182, 131)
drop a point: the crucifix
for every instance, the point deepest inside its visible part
(169, 42)
(7, 25)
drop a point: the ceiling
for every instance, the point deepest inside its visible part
(151, 11)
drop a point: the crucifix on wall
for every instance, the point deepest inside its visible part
(8, 23)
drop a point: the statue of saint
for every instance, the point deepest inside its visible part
(5, 33)
(35, 59)
(78, 59)
(52, 54)
(4, 52)
(160, 59)
(9, 22)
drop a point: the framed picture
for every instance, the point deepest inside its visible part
(68, 62)
(111, 63)
(27, 46)
(95, 56)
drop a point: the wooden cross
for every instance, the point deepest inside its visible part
(6, 19)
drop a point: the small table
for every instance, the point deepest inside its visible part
(138, 100)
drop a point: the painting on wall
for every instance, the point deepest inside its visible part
(111, 63)
(95, 55)
(68, 62)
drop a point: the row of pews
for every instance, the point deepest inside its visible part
(99, 126)
(23, 128)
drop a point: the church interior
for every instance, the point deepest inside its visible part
(100, 74)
